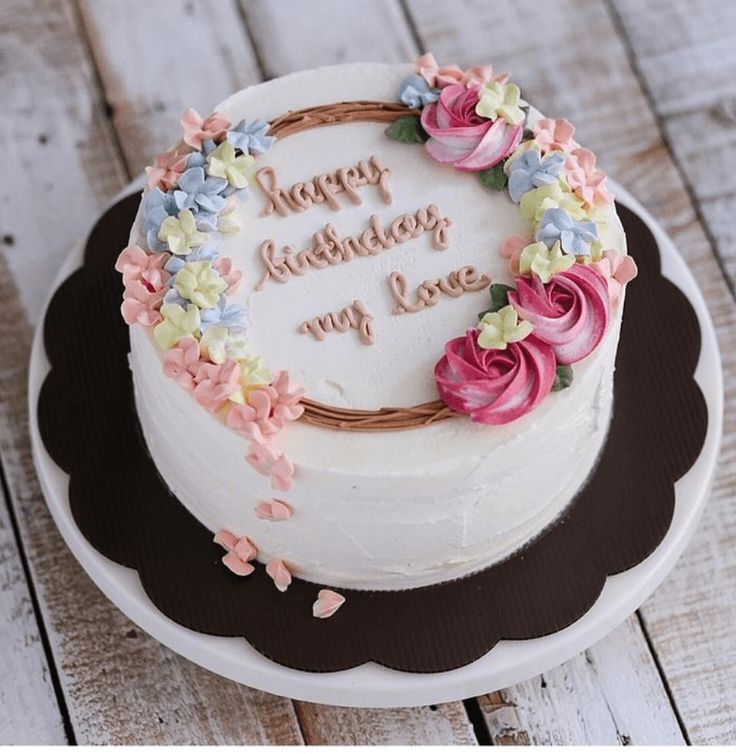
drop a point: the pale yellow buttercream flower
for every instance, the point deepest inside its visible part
(177, 323)
(254, 374)
(235, 169)
(544, 262)
(536, 202)
(218, 345)
(499, 100)
(181, 233)
(498, 329)
(200, 284)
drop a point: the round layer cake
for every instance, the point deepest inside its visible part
(370, 234)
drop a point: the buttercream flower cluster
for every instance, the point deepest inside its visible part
(180, 286)
(566, 283)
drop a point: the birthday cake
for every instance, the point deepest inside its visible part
(374, 317)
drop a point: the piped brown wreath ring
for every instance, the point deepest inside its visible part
(336, 417)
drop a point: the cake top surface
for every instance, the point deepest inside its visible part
(369, 232)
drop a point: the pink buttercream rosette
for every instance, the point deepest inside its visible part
(570, 313)
(462, 138)
(494, 386)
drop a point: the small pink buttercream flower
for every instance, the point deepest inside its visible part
(440, 77)
(198, 129)
(229, 274)
(166, 169)
(181, 363)
(273, 510)
(240, 551)
(554, 135)
(136, 264)
(280, 574)
(617, 269)
(511, 250)
(268, 409)
(462, 138)
(585, 179)
(327, 603)
(141, 304)
(271, 462)
(215, 383)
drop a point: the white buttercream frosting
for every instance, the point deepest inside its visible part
(386, 510)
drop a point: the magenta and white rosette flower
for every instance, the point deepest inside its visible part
(571, 313)
(492, 385)
(462, 138)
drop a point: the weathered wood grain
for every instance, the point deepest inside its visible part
(56, 143)
(29, 711)
(625, 702)
(588, 77)
(685, 53)
(156, 59)
(291, 34)
(409, 727)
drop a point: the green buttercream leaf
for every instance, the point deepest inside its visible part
(563, 378)
(499, 298)
(494, 178)
(408, 130)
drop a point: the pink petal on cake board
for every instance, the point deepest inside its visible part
(327, 603)
(280, 574)
(237, 566)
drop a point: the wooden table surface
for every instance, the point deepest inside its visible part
(91, 90)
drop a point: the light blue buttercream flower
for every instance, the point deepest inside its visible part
(157, 206)
(205, 253)
(198, 159)
(529, 171)
(414, 91)
(232, 316)
(202, 195)
(574, 237)
(172, 297)
(251, 137)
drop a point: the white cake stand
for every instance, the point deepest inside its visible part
(371, 685)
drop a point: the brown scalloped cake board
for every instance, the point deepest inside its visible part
(121, 507)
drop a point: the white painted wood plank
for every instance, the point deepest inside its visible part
(156, 58)
(427, 726)
(615, 677)
(290, 35)
(685, 49)
(686, 53)
(55, 142)
(29, 711)
(586, 76)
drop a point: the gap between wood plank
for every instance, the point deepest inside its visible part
(663, 678)
(687, 184)
(83, 36)
(42, 632)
